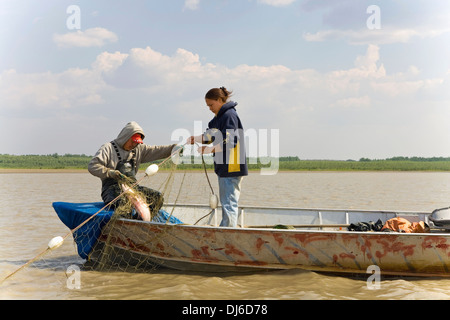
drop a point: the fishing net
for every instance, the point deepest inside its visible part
(123, 241)
(114, 237)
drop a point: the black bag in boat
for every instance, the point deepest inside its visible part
(366, 226)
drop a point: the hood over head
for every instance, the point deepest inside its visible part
(226, 107)
(127, 132)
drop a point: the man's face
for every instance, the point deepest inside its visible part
(130, 144)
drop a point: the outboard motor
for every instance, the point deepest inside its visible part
(441, 218)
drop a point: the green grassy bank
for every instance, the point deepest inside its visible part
(71, 161)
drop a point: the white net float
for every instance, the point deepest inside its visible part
(151, 170)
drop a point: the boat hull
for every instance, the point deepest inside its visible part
(215, 249)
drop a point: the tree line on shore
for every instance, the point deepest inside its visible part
(80, 161)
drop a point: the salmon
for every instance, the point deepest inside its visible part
(139, 204)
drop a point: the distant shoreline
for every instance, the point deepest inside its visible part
(35, 170)
(31, 170)
(79, 163)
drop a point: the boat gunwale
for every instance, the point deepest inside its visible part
(295, 230)
(303, 209)
(249, 229)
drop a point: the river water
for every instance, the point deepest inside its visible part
(28, 222)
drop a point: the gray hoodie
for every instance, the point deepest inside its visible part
(106, 158)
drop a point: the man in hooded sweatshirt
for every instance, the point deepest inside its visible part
(122, 157)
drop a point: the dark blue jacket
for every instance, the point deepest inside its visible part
(226, 129)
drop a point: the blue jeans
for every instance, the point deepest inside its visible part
(229, 191)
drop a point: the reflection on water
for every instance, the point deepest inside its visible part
(28, 222)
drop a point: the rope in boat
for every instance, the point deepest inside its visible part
(212, 190)
(206, 173)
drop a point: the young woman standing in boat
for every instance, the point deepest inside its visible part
(226, 133)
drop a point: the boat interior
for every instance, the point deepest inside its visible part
(296, 218)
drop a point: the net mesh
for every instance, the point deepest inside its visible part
(124, 243)
(114, 238)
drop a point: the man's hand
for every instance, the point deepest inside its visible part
(190, 140)
(115, 174)
(194, 139)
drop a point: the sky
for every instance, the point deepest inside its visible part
(317, 79)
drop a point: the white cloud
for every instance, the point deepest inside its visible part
(28, 93)
(352, 102)
(386, 35)
(94, 37)
(394, 88)
(328, 107)
(365, 66)
(191, 4)
(147, 69)
(108, 62)
(277, 3)
(194, 4)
